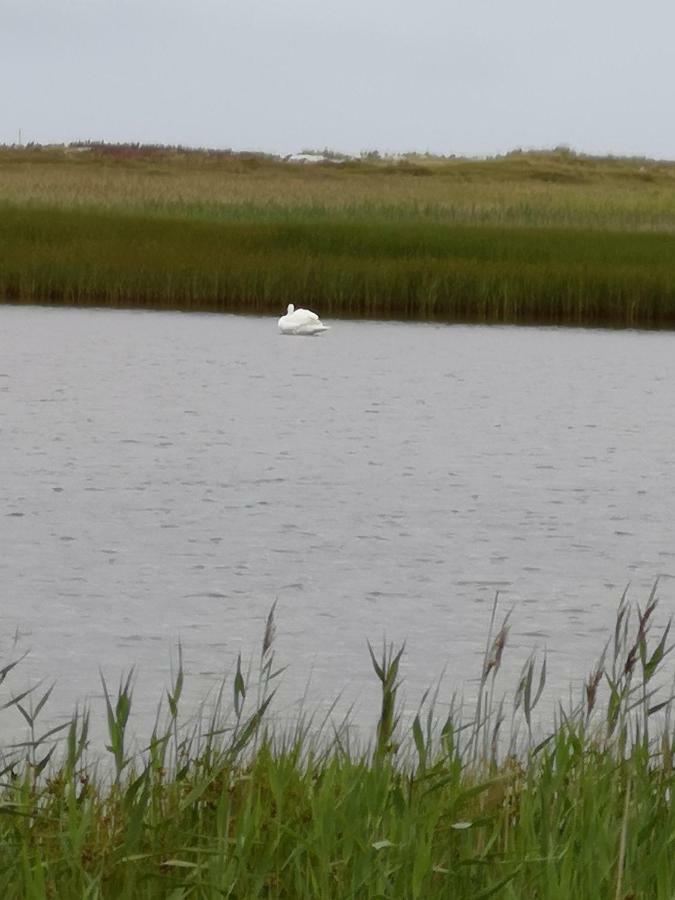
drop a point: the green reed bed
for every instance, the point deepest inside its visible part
(378, 268)
(550, 237)
(460, 805)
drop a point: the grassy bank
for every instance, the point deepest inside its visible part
(355, 268)
(234, 807)
(549, 238)
(554, 189)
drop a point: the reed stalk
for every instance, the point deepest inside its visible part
(230, 805)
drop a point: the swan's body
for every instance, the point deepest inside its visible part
(301, 321)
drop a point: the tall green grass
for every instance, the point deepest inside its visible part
(232, 805)
(357, 267)
(550, 237)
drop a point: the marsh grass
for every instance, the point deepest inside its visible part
(230, 805)
(541, 238)
(522, 189)
(416, 270)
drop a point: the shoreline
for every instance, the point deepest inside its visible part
(549, 238)
(401, 270)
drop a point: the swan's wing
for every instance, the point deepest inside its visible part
(311, 328)
(304, 316)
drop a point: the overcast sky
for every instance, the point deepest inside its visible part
(474, 77)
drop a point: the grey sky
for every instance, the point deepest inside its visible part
(474, 77)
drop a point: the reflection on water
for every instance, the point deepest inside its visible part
(169, 476)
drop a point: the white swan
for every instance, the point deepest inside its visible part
(301, 321)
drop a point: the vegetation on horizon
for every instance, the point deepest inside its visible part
(549, 237)
(230, 805)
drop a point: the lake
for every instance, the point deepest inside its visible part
(169, 476)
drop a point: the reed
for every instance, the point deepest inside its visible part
(542, 238)
(233, 805)
(357, 268)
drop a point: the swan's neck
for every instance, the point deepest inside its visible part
(290, 309)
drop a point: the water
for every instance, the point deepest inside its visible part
(169, 476)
